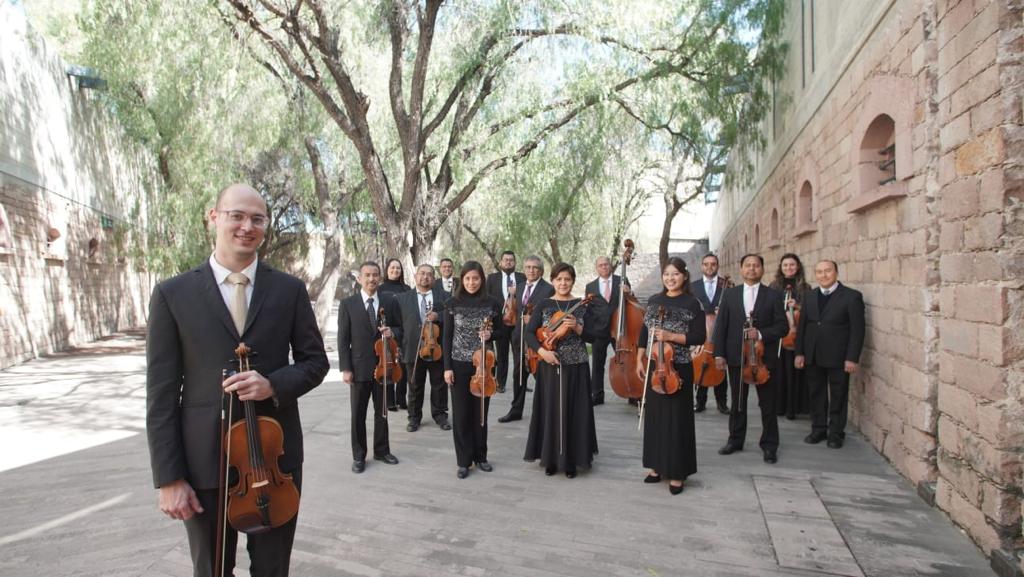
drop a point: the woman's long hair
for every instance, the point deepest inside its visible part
(680, 265)
(800, 277)
(387, 265)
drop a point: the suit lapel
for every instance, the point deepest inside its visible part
(259, 294)
(215, 300)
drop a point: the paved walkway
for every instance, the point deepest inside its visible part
(77, 499)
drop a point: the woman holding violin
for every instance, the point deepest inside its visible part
(793, 396)
(468, 327)
(674, 322)
(562, 433)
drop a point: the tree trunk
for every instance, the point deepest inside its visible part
(671, 209)
(325, 286)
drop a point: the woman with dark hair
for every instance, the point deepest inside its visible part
(393, 285)
(670, 439)
(562, 433)
(464, 320)
(793, 395)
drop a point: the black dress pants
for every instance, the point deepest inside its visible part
(600, 356)
(417, 386)
(502, 344)
(738, 413)
(269, 553)
(520, 375)
(721, 392)
(360, 396)
(469, 434)
(830, 391)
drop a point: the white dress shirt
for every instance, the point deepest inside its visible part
(750, 297)
(509, 280)
(227, 290)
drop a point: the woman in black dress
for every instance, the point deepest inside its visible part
(670, 440)
(793, 397)
(394, 284)
(562, 433)
(463, 328)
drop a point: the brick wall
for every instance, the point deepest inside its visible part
(65, 168)
(936, 249)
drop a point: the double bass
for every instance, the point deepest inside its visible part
(483, 384)
(627, 320)
(262, 498)
(705, 373)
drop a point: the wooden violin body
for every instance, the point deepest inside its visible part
(754, 369)
(793, 316)
(664, 378)
(483, 384)
(509, 312)
(556, 328)
(627, 321)
(705, 373)
(389, 365)
(430, 349)
(531, 357)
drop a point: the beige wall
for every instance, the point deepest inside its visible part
(937, 252)
(65, 165)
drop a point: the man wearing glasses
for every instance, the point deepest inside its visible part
(196, 321)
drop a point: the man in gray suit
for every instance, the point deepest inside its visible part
(196, 321)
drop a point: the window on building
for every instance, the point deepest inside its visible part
(805, 205)
(774, 227)
(757, 237)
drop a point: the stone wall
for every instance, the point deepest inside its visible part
(902, 161)
(74, 197)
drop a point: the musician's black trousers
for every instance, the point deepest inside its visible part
(269, 553)
(521, 374)
(359, 400)
(600, 355)
(738, 419)
(830, 389)
(438, 390)
(502, 344)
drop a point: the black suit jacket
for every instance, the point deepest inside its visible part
(542, 291)
(829, 338)
(769, 318)
(496, 288)
(599, 313)
(409, 313)
(192, 339)
(356, 336)
(708, 303)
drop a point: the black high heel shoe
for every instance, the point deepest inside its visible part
(675, 490)
(652, 478)
(549, 471)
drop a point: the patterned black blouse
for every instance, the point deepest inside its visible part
(462, 321)
(683, 315)
(571, 350)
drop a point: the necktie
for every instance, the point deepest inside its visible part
(527, 293)
(423, 307)
(372, 312)
(709, 287)
(607, 290)
(239, 307)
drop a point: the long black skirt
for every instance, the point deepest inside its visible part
(792, 395)
(562, 433)
(670, 439)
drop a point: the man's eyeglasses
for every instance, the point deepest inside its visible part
(239, 217)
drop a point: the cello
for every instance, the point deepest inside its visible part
(483, 384)
(705, 373)
(389, 366)
(263, 497)
(627, 320)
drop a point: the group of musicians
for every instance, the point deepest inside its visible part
(199, 317)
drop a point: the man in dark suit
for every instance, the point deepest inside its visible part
(709, 291)
(416, 307)
(358, 330)
(534, 290)
(764, 306)
(829, 340)
(196, 321)
(499, 285)
(447, 281)
(605, 289)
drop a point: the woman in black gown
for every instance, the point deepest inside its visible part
(792, 395)
(670, 440)
(464, 318)
(562, 433)
(394, 284)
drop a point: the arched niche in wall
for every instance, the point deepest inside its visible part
(774, 235)
(881, 155)
(6, 233)
(805, 205)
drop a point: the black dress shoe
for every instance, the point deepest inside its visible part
(571, 473)
(728, 449)
(387, 458)
(484, 466)
(835, 444)
(814, 438)
(508, 418)
(595, 401)
(462, 472)
(675, 490)
(723, 408)
(358, 466)
(393, 408)
(501, 389)
(529, 390)
(652, 478)
(634, 402)
(445, 425)
(790, 417)
(699, 409)
(549, 471)
(412, 427)
(770, 457)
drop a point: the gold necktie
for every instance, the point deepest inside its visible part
(239, 307)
